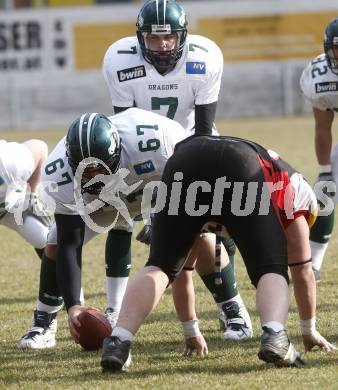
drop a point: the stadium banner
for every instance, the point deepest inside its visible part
(50, 57)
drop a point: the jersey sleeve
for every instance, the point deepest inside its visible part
(121, 95)
(172, 133)
(209, 91)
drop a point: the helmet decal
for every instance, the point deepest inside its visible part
(140, 21)
(182, 19)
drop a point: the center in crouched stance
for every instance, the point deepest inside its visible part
(264, 205)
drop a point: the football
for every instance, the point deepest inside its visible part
(93, 330)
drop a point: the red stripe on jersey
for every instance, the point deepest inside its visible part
(282, 198)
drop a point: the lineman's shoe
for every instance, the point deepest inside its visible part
(276, 348)
(115, 354)
(42, 334)
(112, 316)
(235, 322)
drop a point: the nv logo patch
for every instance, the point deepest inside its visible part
(1, 181)
(196, 68)
(131, 73)
(144, 167)
(328, 86)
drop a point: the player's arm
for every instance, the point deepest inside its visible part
(323, 135)
(120, 109)
(183, 293)
(204, 118)
(39, 152)
(323, 144)
(70, 233)
(304, 283)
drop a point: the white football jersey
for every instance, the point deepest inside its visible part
(196, 79)
(319, 85)
(16, 167)
(147, 141)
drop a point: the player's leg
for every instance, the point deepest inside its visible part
(234, 318)
(42, 334)
(321, 231)
(118, 264)
(34, 229)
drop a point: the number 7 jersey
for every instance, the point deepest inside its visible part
(196, 79)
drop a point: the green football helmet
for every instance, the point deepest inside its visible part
(331, 41)
(93, 135)
(162, 17)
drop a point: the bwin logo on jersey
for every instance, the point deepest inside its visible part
(196, 68)
(131, 73)
(328, 86)
(144, 167)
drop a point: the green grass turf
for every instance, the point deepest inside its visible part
(157, 360)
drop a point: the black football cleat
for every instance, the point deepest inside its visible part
(115, 354)
(276, 348)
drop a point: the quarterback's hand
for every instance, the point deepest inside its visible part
(144, 235)
(73, 320)
(329, 190)
(316, 339)
(196, 343)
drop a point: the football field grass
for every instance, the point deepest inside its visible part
(157, 361)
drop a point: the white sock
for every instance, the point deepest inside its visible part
(116, 287)
(237, 298)
(317, 253)
(122, 334)
(47, 308)
(274, 325)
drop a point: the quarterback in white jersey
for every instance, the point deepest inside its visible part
(19, 176)
(166, 70)
(195, 80)
(319, 85)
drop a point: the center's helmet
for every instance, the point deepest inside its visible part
(93, 135)
(162, 17)
(331, 41)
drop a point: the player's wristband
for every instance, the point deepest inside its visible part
(325, 168)
(191, 329)
(308, 327)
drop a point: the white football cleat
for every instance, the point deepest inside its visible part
(235, 322)
(42, 334)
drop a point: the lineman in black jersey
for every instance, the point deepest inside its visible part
(265, 205)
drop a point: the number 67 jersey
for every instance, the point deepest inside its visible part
(147, 142)
(196, 79)
(319, 85)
